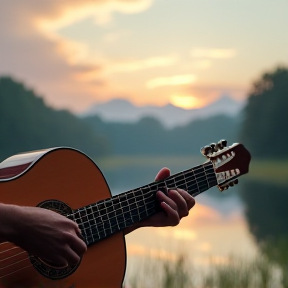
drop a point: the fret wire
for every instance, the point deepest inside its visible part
(144, 201)
(102, 224)
(128, 206)
(185, 180)
(115, 211)
(142, 198)
(132, 209)
(74, 215)
(95, 218)
(88, 222)
(111, 228)
(215, 179)
(107, 214)
(122, 211)
(81, 222)
(115, 217)
(137, 207)
(155, 184)
(196, 181)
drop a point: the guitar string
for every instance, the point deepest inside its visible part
(12, 248)
(15, 271)
(14, 255)
(130, 192)
(147, 196)
(124, 207)
(143, 199)
(97, 230)
(139, 190)
(131, 210)
(140, 197)
(13, 265)
(114, 212)
(96, 227)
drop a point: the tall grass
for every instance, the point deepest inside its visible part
(236, 273)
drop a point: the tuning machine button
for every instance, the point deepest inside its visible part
(206, 151)
(222, 143)
(214, 147)
(222, 188)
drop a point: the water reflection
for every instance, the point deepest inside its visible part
(266, 209)
(218, 226)
(214, 230)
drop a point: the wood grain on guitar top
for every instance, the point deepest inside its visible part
(71, 177)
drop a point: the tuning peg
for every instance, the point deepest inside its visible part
(222, 143)
(231, 184)
(236, 181)
(222, 188)
(206, 150)
(214, 147)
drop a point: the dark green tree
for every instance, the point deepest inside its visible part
(27, 123)
(264, 129)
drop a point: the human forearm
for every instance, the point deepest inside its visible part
(42, 232)
(8, 216)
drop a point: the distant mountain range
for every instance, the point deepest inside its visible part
(120, 110)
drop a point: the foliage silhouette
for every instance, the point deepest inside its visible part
(149, 137)
(26, 123)
(264, 129)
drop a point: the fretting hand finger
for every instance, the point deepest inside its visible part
(172, 217)
(190, 201)
(175, 205)
(182, 207)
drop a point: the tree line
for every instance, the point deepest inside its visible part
(27, 123)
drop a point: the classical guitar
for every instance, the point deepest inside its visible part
(67, 181)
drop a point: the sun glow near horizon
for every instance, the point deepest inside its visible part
(186, 101)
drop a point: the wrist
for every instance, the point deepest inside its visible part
(9, 217)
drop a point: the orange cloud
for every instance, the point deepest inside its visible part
(135, 65)
(33, 52)
(54, 15)
(171, 81)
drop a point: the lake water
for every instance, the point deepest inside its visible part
(214, 231)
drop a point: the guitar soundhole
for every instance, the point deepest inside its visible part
(51, 271)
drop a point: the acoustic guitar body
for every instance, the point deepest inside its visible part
(71, 177)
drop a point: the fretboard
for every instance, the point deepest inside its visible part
(99, 220)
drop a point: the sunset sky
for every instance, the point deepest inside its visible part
(184, 52)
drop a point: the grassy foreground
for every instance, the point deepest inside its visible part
(257, 273)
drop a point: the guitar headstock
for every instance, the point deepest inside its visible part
(229, 162)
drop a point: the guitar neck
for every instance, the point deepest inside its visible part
(99, 220)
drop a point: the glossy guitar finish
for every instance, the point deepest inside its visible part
(69, 176)
(70, 183)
